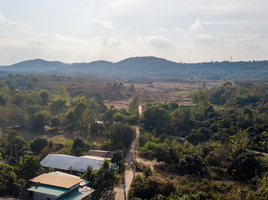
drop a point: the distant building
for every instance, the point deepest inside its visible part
(71, 164)
(60, 186)
(100, 153)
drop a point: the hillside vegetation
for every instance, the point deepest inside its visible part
(146, 67)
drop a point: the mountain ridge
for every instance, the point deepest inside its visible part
(148, 66)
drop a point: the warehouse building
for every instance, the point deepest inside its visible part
(71, 164)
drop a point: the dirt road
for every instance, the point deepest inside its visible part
(129, 160)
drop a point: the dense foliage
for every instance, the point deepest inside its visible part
(203, 141)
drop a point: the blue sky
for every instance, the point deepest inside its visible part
(88, 30)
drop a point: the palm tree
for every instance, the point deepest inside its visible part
(107, 177)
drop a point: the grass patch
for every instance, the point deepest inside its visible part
(185, 92)
(57, 136)
(28, 136)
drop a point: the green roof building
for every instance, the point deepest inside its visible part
(60, 186)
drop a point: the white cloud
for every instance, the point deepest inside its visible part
(35, 42)
(107, 24)
(197, 25)
(108, 41)
(177, 29)
(161, 29)
(126, 28)
(18, 25)
(53, 35)
(2, 19)
(249, 44)
(157, 42)
(55, 38)
(202, 39)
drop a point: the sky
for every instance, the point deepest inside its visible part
(88, 30)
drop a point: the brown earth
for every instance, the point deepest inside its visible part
(162, 92)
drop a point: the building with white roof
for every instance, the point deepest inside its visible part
(71, 164)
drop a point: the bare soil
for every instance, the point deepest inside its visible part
(163, 92)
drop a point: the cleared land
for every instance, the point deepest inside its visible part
(163, 92)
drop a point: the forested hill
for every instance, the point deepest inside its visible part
(146, 66)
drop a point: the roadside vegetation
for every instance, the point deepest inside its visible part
(210, 153)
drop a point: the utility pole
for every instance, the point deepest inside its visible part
(134, 174)
(124, 186)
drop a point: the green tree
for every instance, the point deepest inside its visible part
(117, 156)
(147, 172)
(79, 109)
(107, 177)
(181, 119)
(172, 106)
(88, 174)
(121, 135)
(18, 145)
(44, 94)
(28, 167)
(3, 99)
(68, 146)
(134, 103)
(87, 118)
(29, 85)
(108, 116)
(62, 91)
(192, 165)
(41, 119)
(98, 95)
(79, 146)
(168, 155)
(11, 140)
(17, 187)
(58, 104)
(245, 167)
(157, 119)
(7, 179)
(38, 144)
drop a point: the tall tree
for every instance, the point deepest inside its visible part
(44, 94)
(157, 119)
(38, 144)
(107, 177)
(108, 116)
(28, 167)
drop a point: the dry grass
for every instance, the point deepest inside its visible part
(28, 136)
(162, 92)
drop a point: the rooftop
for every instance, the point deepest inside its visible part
(61, 185)
(99, 153)
(58, 181)
(67, 162)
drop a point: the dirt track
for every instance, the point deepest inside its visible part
(129, 160)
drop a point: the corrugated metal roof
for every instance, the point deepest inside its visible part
(58, 161)
(66, 162)
(81, 164)
(45, 189)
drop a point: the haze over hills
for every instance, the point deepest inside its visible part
(146, 67)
